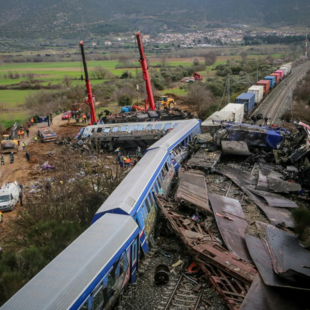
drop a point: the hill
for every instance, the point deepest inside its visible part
(71, 18)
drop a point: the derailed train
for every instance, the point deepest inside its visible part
(93, 270)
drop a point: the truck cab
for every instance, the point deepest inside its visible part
(9, 196)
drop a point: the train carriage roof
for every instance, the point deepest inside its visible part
(126, 197)
(67, 281)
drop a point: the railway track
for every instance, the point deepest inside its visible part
(181, 295)
(272, 107)
(288, 86)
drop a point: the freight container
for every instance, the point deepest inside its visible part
(285, 70)
(272, 80)
(237, 110)
(289, 66)
(266, 84)
(277, 76)
(212, 123)
(281, 72)
(248, 100)
(258, 91)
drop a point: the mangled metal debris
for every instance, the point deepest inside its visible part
(263, 297)
(203, 245)
(230, 289)
(235, 148)
(232, 224)
(192, 190)
(204, 160)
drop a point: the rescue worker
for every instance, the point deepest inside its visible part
(266, 120)
(22, 133)
(32, 122)
(11, 158)
(23, 145)
(254, 119)
(27, 156)
(1, 217)
(27, 132)
(88, 116)
(29, 124)
(51, 118)
(121, 163)
(138, 151)
(21, 199)
(84, 118)
(2, 160)
(35, 138)
(18, 133)
(127, 162)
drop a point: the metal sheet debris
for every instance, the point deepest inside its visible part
(209, 251)
(280, 186)
(274, 200)
(235, 148)
(263, 263)
(263, 297)
(288, 256)
(276, 216)
(262, 183)
(232, 231)
(204, 160)
(192, 190)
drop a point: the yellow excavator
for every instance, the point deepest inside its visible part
(8, 142)
(165, 102)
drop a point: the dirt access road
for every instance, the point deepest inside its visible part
(24, 172)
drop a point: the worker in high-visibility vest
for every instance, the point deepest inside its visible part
(18, 133)
(32, 122)
(1, 217)
(127, 162)
(35, 138)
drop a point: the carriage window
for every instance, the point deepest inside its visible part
(167, 126)
(124, 128)
(141, 127)
(131, 128)
(145, 209)
(97, 298)
(150, 195)
(175, 125)
(149, 127)
(93, 130)
(99, 129)
(147, 205)
(158, 127)
(85, 305)
(115, 129)
(107, 129)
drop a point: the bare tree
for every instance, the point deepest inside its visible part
(67, 81)
(200, 99)
(210, 58)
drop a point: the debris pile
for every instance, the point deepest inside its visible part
(232, 210)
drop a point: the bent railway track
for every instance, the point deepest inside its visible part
(181, 295)
(272, 106)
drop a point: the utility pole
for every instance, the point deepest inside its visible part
(306, 43)
(257, 70)
(228, 88)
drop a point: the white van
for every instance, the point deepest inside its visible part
(9, 196)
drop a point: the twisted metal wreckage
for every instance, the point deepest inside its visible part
(264, 269)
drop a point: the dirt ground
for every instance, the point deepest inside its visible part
(24, 172)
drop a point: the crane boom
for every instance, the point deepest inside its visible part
(145, 71)
(90, 100)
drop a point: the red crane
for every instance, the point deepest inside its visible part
(90, 99)
(146, 76)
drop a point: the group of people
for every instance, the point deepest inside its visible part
(125, 160)
(255, 118)
(85, 117)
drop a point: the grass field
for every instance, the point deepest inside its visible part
(11, 101)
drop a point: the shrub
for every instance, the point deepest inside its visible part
(124, 100)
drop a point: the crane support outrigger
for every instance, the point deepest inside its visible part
(90, 99)
(145, 71)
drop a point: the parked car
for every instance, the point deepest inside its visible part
(66, 115)
(9, 196)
